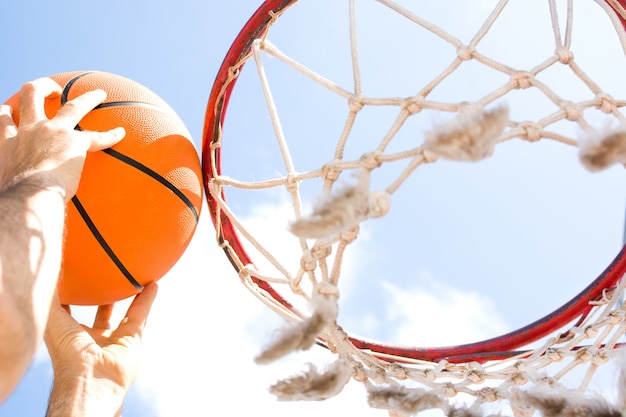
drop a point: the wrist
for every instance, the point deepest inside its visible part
(85, 395)
(41, 183)
(34, 189)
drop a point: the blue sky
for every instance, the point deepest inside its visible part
(478, 248)
(174, 48)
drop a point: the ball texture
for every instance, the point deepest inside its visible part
(138, 202)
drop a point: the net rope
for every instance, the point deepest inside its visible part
(402, 385)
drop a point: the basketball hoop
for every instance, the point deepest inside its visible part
(335, 194)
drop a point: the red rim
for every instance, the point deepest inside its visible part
(490, 349)
(623, 4)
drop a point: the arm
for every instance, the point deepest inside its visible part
(40, 166)
(30, 241)
(95, 367)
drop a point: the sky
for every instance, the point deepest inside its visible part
(478, 249)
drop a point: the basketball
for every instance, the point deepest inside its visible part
(137, 203)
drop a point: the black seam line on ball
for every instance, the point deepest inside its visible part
(105, 246)
(123, 104)
(129, 103)
(138, 165)
(66, 92)
(66, 89)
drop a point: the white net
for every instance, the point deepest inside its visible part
(446, 82)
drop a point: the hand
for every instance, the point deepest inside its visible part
(95, 367)
(49, 152)
(40, 166)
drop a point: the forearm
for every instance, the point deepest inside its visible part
(31, 236)
(84, 396)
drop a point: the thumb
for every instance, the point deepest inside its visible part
(7, 125)
(60, 325)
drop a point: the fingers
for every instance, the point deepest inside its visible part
(32, 98)
(140, 308)
(74, 110)
(103, 317)
(7, 125)
(103, 140)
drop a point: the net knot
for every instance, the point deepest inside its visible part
(428, 156)
(572, 111)
(291, 183)
(371, 160)
(320, 251)
(522, 79)
(518, 379)
(429, 375)
(233, 72)
(583, 355)
(475, 376)
(590, 331)
(355, 104)
(532, 131)
(359, 373)
(465, 52)
(331, 171)
(398, 371)
(378, 375)
(379, 205)
(449, 390)
(489, 394)
(565, 56)
(607, 103)
(615, 317)
(260, 44)
(599, 358)
(554, 354)
(566, 336)
(215, 144)
(414, 104)
(307, 261)
(273, 16)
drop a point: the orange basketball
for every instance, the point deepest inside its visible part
(138, 203)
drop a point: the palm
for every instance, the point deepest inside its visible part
(112, 354)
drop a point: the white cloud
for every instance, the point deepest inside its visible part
(206, 328)
(438, 314)
(202, 336)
